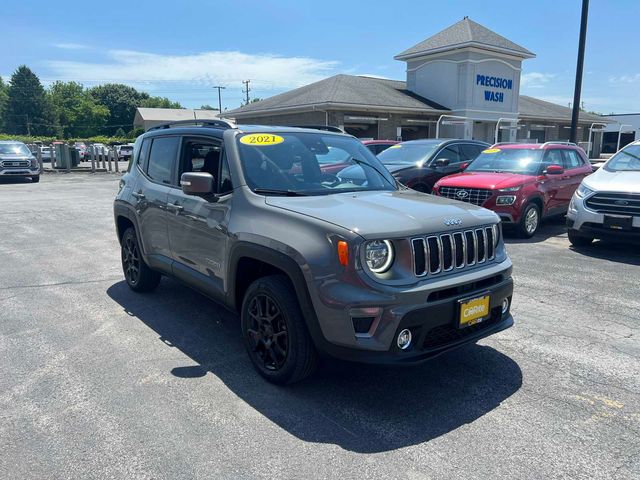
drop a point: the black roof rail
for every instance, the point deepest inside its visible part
(326, 128)
(195, 122)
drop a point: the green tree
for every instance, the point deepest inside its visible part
(121, 101)
(156, 102)
(77, 113)
(4, 96)
(28, 110)
(208, 107)
(120, 133)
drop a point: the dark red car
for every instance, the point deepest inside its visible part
(379, 146)
(522, 183)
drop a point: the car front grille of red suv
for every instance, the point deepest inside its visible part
(477, 196)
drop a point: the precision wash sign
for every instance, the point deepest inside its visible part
(495, 83)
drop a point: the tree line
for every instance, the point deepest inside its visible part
(68, 109)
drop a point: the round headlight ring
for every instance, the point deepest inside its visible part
(390, 257)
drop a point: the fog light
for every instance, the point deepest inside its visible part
(505, 306)
(404, 339)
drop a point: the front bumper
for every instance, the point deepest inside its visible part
(431, 314)
(591, 224)
(20, 172)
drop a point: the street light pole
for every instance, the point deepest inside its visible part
(219, 98)
(579, 67)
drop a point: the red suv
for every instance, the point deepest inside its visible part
(522, 183)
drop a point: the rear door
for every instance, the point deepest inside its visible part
(198, 226)
(157, 161)
(576, 168)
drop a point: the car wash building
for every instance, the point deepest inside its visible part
(463, 82)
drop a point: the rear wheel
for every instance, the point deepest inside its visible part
(274, 331)
(137, 273)
(530, 221)
(579, 240)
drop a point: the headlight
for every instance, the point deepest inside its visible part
(583, 191)
(379, 255)
(510, 189)
(34, 162)
(506, 200)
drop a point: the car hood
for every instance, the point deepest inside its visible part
(485, 180)
(9, 156)
(387, 214)
(396, 167)
(603, 180)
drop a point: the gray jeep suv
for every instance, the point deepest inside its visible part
(315, 265)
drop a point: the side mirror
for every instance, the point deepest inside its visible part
(197, 183)
(554, 170)
(442, 162)
(464, 165)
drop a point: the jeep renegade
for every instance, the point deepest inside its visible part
(315, 265)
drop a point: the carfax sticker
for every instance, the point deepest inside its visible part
(491, 150)
(261, 139)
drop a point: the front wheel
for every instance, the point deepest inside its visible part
(530, 221)
(579, 240)
(275, 333)
(137, 273)
(35, 179)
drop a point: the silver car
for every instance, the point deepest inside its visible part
(607, 203)
(17, 160)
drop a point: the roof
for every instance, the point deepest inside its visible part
(343, 91)
(465, 33)
(535, 108)
(173, 114)
(536, 146)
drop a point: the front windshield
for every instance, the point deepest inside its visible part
(14, 149)
(304, 164)
(508, 160)
(626, 160)
(407, 153)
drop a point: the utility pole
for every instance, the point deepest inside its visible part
(28, 125)
(219, 99)
(246, 90)
(579, 67)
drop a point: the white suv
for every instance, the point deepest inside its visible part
(607, 203)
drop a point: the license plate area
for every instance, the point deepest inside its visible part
(618, 222)
(473, 310)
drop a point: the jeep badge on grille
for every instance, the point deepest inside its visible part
(451, 222)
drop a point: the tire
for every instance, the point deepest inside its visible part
(137, 273)
(530, 221)
(279, 347)
(579, 240)
(35, 179)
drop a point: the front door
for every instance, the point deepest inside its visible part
(198, 226)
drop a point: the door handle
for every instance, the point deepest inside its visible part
(138, 195)
(174, 206)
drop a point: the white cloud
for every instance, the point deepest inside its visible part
(535, 79)
(70, 46)
(629, 79)
(265, 71)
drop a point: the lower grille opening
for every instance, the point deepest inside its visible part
(445, 334)
(362, 324)
(462, 289)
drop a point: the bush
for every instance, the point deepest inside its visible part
(36, 139)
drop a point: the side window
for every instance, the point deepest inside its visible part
(161, 159)
(553, 157)
(469, 151)
(451, 152)
(143, 156)
(572, 159)
(200, 156)
(225, 176)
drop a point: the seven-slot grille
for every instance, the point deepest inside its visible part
(617, 203)
(15, 163)
(477, 196)
(448, 251)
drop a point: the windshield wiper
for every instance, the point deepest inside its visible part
(362, 162)
(275, 191)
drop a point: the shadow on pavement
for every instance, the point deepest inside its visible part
(8, 180)
(357, 407)
(612, 251)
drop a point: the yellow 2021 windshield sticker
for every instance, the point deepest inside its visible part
(491, 150)
(261, 139)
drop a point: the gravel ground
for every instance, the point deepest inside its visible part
(99, 382)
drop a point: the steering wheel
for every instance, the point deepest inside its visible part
(278, 172)
(330, 180)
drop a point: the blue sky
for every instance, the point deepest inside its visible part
(181, 49)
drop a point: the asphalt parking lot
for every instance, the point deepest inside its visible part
(99, 382)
